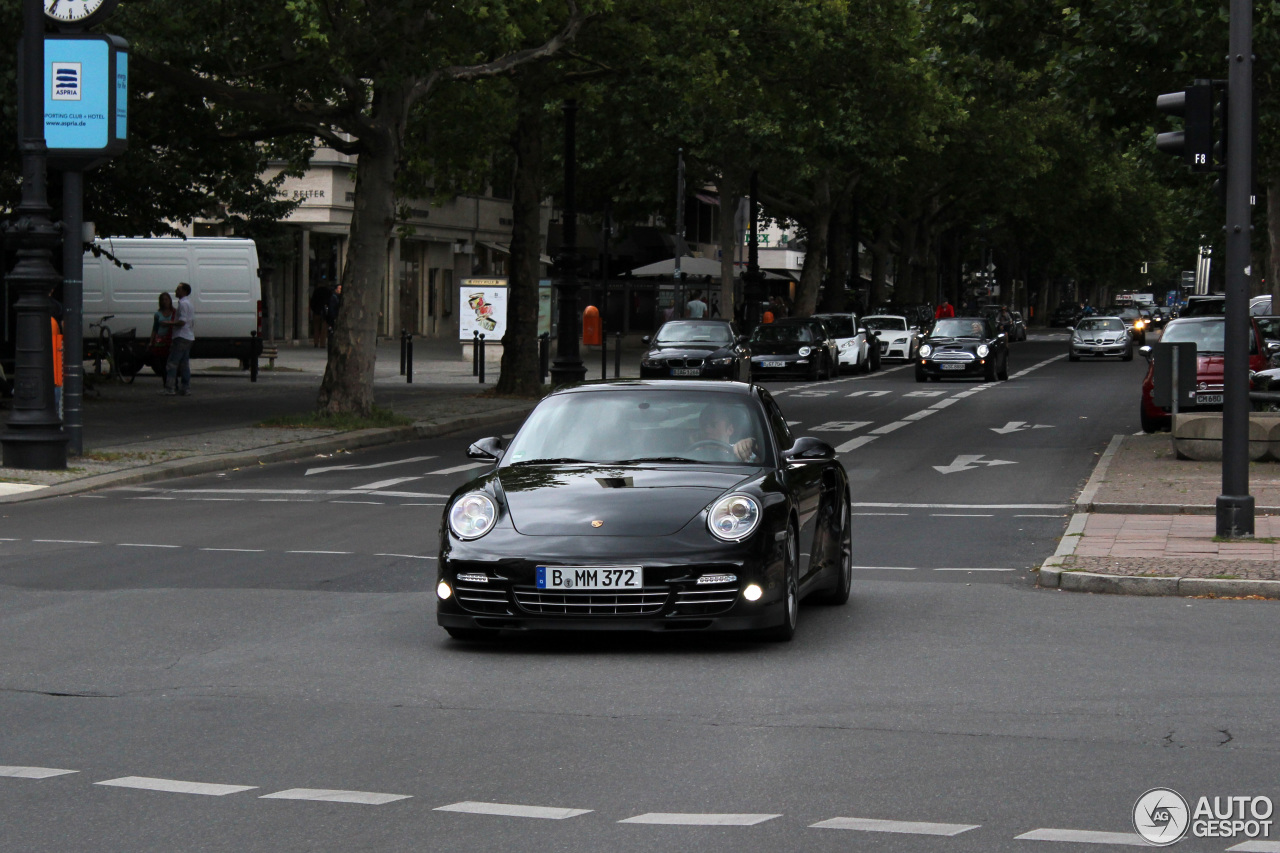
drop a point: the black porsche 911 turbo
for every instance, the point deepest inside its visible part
(959, 347)
(698, 349)
(650, 505)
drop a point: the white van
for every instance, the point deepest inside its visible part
(226, 293)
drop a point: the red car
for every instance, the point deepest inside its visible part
(1209, 336)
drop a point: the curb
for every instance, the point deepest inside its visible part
(1162, 509)
(288, 451)
(1053, 577)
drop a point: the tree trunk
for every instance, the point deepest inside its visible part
(347, 387)
(520, 343)
(817, 224)
(839, 235)
(880, 267)
(730, 189)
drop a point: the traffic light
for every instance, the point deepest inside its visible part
(1194, 143)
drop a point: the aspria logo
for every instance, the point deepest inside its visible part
(66, 81)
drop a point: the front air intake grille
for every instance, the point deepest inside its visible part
(953, 355)
(706, 600)
(475, 598)
(642, 602)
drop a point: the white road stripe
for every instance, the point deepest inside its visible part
(32, 772)
(323, 796)
(854, 443)
(1255, 847)
(923, 413)
(458, 469)
(1083, 836)
(360, 503)
(880, 513)
(68, 541)
(902, 826)
(960, 515)
(386, 484)
(318, 552)
(885, 568)
(972, 569)
(297, 492)
(238, 550)
(407, 556)
(143, 545)
(960, 506)
(888, 428)
(509, 810)
(1038, 366)
(942, 404)
(173, 786)
(679, 819)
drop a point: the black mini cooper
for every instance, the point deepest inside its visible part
(961, 347)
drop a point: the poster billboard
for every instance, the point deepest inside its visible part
(482, 307)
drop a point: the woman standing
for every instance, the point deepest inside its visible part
(161, 334)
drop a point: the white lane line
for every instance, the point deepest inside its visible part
(368, 467)
(458, 469)
(972, 569)
(959, 506)
(294, 492)
(386, 484)
(885, 568)
(143, 545)
(407, 556)
(319, 552)
(323, 796)
(420, 504)
(1255, 847)
(32, 772)
(361, 503)
(174, 786)
(238, 550)
(942, 404)
(152, 498)
(1083, 836)
(923, 413)
(510, 810)
(960, 515)
(908, 827)
(888, 428)
(854, 443)
(68, 541)
(225, 500)
(1039, 515)
(880, 513)
(679, 819)
(1044, 363)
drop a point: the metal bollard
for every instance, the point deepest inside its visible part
(544, 356)
(403, 335)
(604, 355)
(408, 359)
(481, 361)
(475, 353)
(617, 355)
(254, 348)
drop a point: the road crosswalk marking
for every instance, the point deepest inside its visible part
(512, 810)
(175, 786)
(32, 772)
(386, 484)
(458, 468)
(325, 796)
(1084, 836)
(869, 394)
(682, 819)
(906, 827)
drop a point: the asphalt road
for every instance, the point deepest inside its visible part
(249, 661)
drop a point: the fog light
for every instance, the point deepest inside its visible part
(752, 592)
(443, 590)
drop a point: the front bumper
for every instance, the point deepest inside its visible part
(1109, 350)
(953, 368)
(895, 350)
(764, 366)
(702, 371)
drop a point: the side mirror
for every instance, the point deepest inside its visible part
(861, 331)
(809, 448)
(488, 449)
(742, 339)
(1071, 328)
(1145, 351)
(1273, 347)
(645, 340)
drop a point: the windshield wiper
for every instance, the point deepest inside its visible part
(657, 459)
(560, 461)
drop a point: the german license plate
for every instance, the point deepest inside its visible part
(773, 364)
(1208, 399)
(590, 577)
(953, 366)
(686, 371)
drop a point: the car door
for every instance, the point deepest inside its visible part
(804, 482)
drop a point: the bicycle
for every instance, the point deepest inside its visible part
(114, 355)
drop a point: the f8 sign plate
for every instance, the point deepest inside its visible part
(590, 577)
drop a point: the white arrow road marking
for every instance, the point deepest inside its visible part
(840, 426)
(458, 468)
(966, 463)
(1018, 426)
(510, 810)
(903, 826)
(311, 471)
(869, 394)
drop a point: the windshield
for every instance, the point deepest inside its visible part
(960, 328)
(773, 333)
(894, 324)
(1208, 336)
(633, 425)
(841, 325)
(685, 332)
(1101, 324)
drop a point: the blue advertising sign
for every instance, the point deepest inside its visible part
(86, 97)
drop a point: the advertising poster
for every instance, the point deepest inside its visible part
(482, 307)
(544, 306)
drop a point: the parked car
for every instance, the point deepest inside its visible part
(646, 505)
(1204, 305)
(794, 346)
(1064, 315)
(1260, 306)
(960, 347)
(1100, 337)
(898, 338)
(1208, 333)
(857, 350)
(702, 349)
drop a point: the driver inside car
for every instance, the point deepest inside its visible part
(716, 424)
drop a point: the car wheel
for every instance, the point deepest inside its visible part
(1128, 355)
(473, 634)
(791, 598)
(921, 376)
(1071, 356)
(839, 594)
(1149, 424)
(989, 374)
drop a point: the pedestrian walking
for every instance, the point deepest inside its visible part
(332, 307)
(946, 309)
(319, 309)
(177, 376)
(696, 309)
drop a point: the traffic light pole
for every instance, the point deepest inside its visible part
(1235, 506)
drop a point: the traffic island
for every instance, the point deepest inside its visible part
(1197, 436)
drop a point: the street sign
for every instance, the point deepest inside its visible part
(86, 98)
(1175, 363)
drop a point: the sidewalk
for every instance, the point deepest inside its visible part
(1146, 526)
(133, 435)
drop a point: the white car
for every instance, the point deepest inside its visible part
(858, 352)
(898, 338)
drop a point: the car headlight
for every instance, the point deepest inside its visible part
(983, 350)
(926, 350)
(652, 362)
(899, 340)
(805, 351)
(721, 362)
(472, 516)
(734, 517)
(1138, 324)
(1076, 339)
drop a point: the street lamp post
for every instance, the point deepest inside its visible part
(752, 280)
(568, 367)
(33, 437)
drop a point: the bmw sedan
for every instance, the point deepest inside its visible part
(960, 347)
(702, 349)
(646, 505)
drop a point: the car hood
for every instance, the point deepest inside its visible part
(781, 348)
(684, 350)
(565, 500)
(954, 343)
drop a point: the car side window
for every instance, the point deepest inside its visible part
(777, 423)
